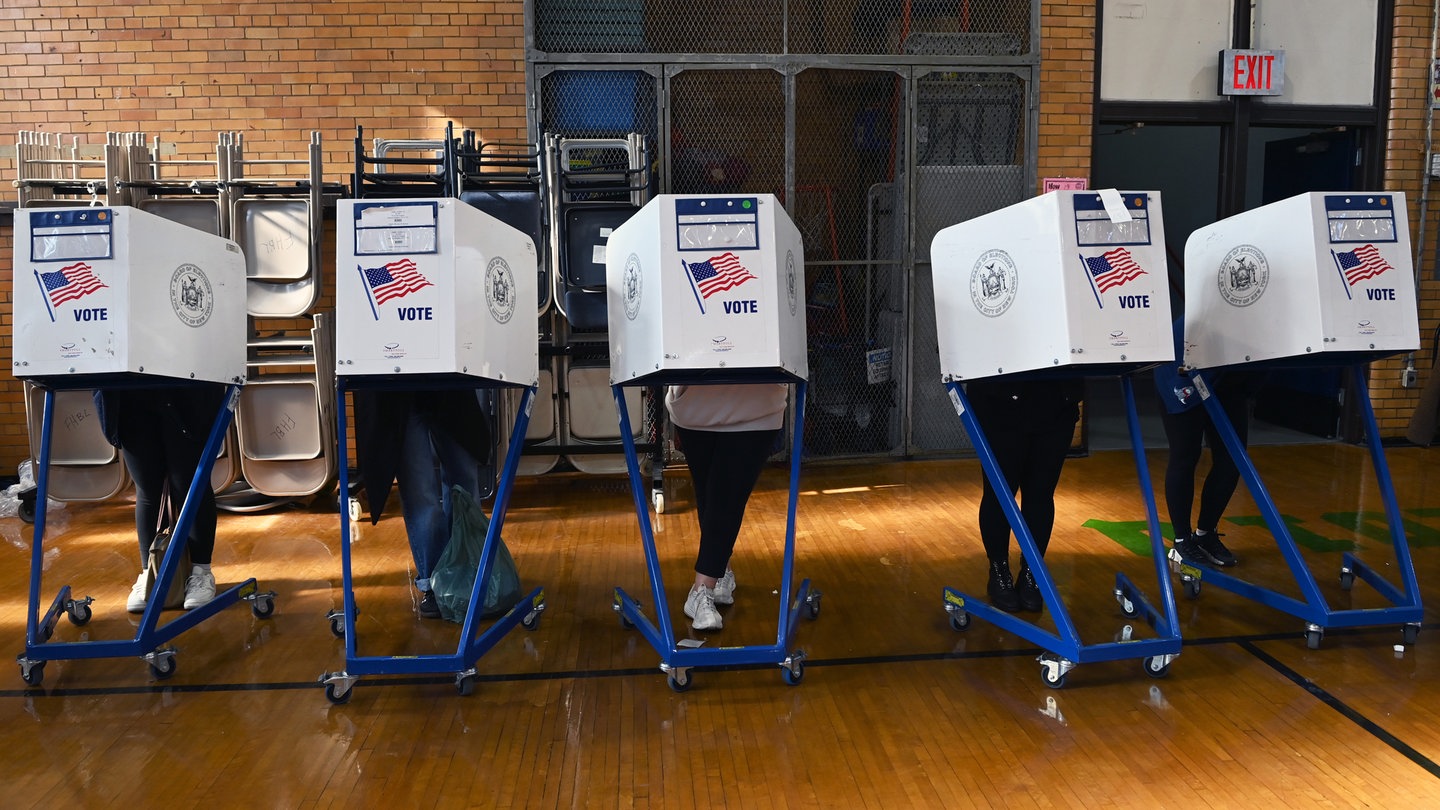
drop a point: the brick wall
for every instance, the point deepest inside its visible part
(1404, 171)
(1067, 88)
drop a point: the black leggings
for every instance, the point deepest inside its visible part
(1031, 462)
(1185, 431)
(724, 467)
(154, 450)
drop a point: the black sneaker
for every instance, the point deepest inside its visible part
(1216, 550)
(429, 608)
(1002, 587)
(1028, 591)
(1192, 552)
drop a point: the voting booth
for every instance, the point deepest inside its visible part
(699, 283)
(1315, 280)
(1069, 279)
(1310, 275)
(116, 290)
(433, 287)
(1067, 284)
(706, 289)
(114, 297)
(432, 294)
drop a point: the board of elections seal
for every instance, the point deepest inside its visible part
(191, 297)
(993, 283)
(790, 283)
(1243, 276)
(500, 289)
(633, 281)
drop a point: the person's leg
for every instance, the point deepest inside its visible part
(1008, 450)
(734, 463)
(1221, 481)
(1044, 461)
(417, 477)
(146, 465)
(1184, 433)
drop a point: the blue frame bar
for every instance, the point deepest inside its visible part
(678, 660)
(1065, 642)
(1312, 607)
(470, 647)
(150, 634)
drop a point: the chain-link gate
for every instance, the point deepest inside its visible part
(877, 122)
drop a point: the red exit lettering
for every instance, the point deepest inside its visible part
(1253, 71)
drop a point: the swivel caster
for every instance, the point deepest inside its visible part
(959, 620)
(680, 680)
(1157, 666)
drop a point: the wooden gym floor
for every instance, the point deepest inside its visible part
(896, 709)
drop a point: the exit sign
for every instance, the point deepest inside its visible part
(1252, 73)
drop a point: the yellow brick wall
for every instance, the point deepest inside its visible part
(1067, 88)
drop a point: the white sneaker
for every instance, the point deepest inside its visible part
(136, 602)
(700, 607)
(725, 589)
(199, 588)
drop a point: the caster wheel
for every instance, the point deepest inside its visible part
(465, 685)
(27, 511)
(626, 624)
(793, 674)
(680, 683)
(337, 627)
(263, 608)
(34, 675)
(812, 608)
(352, 509)
(336, 695)
(1312, 639)
(531, 622)
(1127, 609)
(163, 668)
(1347, 580)
(1409, 633)
(1052, 678)
(1156, 667)
(1192, 588)
(79, 614)
(959, 621)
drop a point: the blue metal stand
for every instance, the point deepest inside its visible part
(1405, 608)
(150, 636)
(1065, 647)
(338, 685)
(677, 661)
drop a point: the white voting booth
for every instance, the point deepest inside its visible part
(1067, 284)
(1069, 278)
(101, 291)
(1315, 273)
(1315, 280)
(433, 286)
(432, 294)
(114, 297)
(702, 289)
(700, 283)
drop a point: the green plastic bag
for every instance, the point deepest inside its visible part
(454, 575)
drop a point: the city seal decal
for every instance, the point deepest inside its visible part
(993, 283)
(633, 281)
(791, 290)
(1244, 275)
(191, 297)
(500, 290)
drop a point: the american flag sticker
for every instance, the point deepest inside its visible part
(390, 281)
(70, 283)
(718, 274)
(1359, 264)
(1112, 269)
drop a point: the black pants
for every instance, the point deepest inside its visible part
(157, 446)
(724, 467)
(1031, 462)
(1185, 432)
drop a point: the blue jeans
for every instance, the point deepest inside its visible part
(429, 467)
